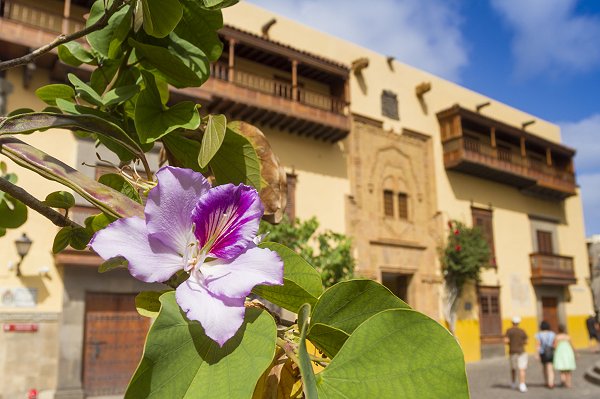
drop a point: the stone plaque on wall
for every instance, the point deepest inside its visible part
(20, 297)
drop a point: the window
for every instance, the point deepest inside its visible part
(389, 105)
(403, 206)
(388, 203)
(399, 284)
(482, 218)
(290, 207)
(544, 241)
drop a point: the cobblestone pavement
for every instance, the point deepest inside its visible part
(490, 378)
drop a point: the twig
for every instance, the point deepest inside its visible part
(62, 39)
(54, 216)
(289, 350)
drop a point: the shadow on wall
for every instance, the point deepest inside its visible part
(480, 191)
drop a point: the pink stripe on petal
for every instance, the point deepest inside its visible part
(221, 318)
(149, 259)
(227, 219)
(236, 278)
(170, 205)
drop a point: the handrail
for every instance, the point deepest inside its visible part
(40, 18)
(551, 264)
(278, 88)
(528, 166)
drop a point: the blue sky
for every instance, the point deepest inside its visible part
(541, 56)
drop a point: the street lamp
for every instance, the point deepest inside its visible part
(23, 244)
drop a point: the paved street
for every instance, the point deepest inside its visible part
(490, 379)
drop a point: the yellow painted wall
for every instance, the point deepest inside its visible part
(467, 334)
(60, 144)
(322, 183)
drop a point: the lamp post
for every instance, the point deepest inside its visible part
(23, 244)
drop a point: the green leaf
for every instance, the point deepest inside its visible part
(161, 16)
(117, 262)
(80, 237)
(217, 4)
(181, 64)
(119, 183)
(199, 26)
(84, 91)
(104, 198)
(119, 95)
(344, 307)
(100, 221)
(3, 168)
(62, 239)
(184, 150)
(236, 161)
(180, 361)
(13, 213)
(212, 139)
(74, 54)
(301, 282)
(306, 370)
(50, 93)
(102, 40)
(2, 231)
(20, 111)
(104, 74)
(147, 303)
(29, 123)
(398, 353)
(59, 199)
(154, 120)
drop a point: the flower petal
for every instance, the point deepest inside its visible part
(237, 277)
(221, 317)
(149, 259)
(170, 204)
(227, 219)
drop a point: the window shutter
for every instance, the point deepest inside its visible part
(388, 203)
(403, 206)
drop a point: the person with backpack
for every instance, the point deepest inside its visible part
(545, 349)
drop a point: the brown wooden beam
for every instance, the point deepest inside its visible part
(231, 61)
(523, 149)
(548, 156)
(295, 80)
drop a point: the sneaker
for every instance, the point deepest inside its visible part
(522, 387)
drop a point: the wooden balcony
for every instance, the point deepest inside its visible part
(482, 147)
(550, 269)
(266, 101)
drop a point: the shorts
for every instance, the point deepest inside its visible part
(518, 361)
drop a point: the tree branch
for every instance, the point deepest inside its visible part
(62, 39)
(54, 216)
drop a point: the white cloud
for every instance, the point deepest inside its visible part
(550, 37)
(425, 34)
(583, 136)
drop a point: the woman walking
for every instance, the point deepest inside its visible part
(545, 349)
(564, 356)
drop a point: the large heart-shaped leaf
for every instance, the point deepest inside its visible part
(343, 307)
(154, 120)
(217, 4)
(50, 93)
(199, 26)
(214, 133)
(180, 361)
(104, 198)
(236, 161)
(301, 282)
(398, 353)
(184, 151)
(161, 16)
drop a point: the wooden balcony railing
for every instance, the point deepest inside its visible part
(550, 269)
(505, 164)
(278, 88)
(41, 18)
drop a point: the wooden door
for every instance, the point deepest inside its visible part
(550, 311)
(482, 218)
(544, 241)
(490, 316)
(114, 341)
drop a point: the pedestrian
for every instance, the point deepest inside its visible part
(516, 338)
(593, 331)
(545, 349)
(564, 356)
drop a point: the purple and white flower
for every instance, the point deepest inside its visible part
(210, 234)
